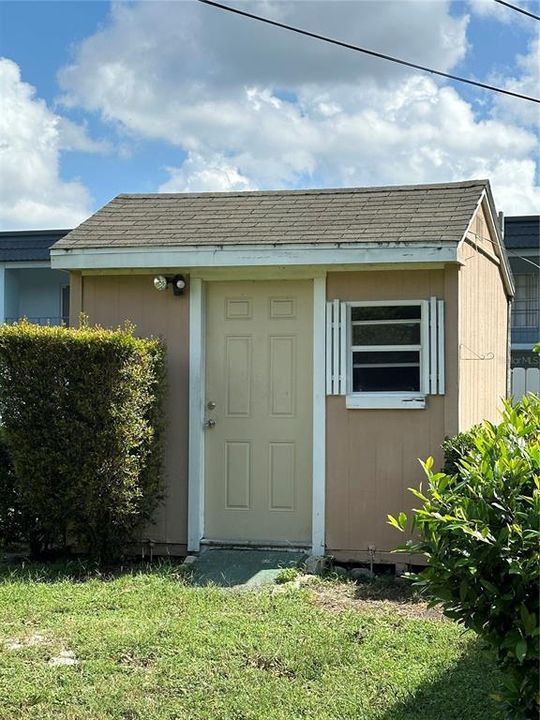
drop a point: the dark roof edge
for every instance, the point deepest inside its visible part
(521, 218)
(315, 191)
(34, 233)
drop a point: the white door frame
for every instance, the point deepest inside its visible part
(197, 385)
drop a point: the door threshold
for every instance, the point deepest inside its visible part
(207, 544)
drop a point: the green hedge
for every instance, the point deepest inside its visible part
(81, 410)
(480, 531)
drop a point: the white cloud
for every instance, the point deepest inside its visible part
(32, 193)
(73, 136)
(200, 174)
(501, 13)
(256, 107)
(526, 81)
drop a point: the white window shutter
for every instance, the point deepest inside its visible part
(436, 347)
(336, 347)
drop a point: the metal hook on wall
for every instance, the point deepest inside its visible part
(485, 356)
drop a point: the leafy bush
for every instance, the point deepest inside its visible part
(81, 414)
(480, 530)
(457, 447)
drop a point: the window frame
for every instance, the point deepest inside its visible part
(398, 399)
(525, 306)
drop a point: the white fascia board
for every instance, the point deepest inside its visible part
(486, 201)
(250, 256)
(25, 264)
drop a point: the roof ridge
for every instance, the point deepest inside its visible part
(310, 191)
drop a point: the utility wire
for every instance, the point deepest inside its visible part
(531, 262)
(518, 9)
(357, 48)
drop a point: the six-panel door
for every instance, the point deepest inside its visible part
(259, 395)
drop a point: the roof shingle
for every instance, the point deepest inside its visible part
(27, 245)
(408, 214)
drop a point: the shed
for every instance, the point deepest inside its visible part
(323, 342)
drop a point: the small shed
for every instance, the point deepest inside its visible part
(319, 343)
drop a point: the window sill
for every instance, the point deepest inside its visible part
(385, 401)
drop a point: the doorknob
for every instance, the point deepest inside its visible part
(211, 405)
(210, 423)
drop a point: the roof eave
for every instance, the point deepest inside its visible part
(122, 258)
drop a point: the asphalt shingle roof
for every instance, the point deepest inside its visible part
(409, 214)
(27, 245)
(522, 232)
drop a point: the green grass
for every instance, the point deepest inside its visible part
(150, 646)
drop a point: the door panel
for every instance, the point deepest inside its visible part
(259, 376)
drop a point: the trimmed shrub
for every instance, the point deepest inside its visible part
(12, 521)
(81, 410)
(480, 531)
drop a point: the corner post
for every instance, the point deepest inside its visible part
(319, 417)
(196, 401)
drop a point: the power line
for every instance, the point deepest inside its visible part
(518, 9)
(357, 48)
(531, 262)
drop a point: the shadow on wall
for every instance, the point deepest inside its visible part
(461, 693)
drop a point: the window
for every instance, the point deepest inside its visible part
(385, 354)
(526, 301)
(64, 304)
(386, 348)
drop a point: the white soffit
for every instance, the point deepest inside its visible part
(251, 256)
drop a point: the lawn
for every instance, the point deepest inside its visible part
(148, 645)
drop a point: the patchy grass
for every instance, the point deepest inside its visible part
(148, 646)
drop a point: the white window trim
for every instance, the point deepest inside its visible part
(391, 400)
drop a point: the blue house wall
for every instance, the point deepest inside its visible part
(28, 286)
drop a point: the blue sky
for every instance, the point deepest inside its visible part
(155, 96)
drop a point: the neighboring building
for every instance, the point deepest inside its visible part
(522, 241)
(325, 341)
(28, 286)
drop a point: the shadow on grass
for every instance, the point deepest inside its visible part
(79, 570)
(462, 693)
(383, 587)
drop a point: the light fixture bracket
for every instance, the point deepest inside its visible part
(178, 283)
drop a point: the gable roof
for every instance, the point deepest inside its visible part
(522, 231)
(395, 214)
(28, 245)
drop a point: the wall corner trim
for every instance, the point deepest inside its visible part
(319, 417)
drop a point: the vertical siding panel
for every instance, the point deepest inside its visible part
(110, 301)
(372, 455)
(482, 331)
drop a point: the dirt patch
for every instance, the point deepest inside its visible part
(337, 597)
(274, 665)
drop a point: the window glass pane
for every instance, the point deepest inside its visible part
(379, 358)
(526, 301)
(386, 379)
(402, 334)
(65, 304)
(387, 312)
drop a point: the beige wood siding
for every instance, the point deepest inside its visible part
(110, 300)
(372, 455)
(483, 328)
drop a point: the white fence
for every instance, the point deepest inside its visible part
(525, 380)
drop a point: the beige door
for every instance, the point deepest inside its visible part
(259, 394)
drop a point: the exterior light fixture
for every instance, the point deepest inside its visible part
(160, 282)
(178, 283)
